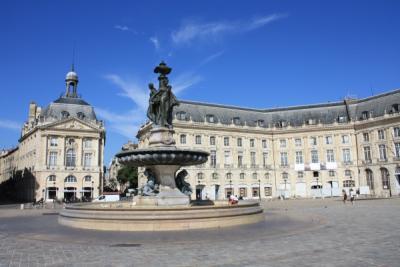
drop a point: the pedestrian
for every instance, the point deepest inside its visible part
(344, 196)
(352, 195)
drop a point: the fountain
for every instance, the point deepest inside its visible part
(164, 202)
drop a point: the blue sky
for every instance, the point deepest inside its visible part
(246, 53)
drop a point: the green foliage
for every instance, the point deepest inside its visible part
(127, 174)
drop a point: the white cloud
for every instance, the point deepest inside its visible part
(211, 58)
(128, 122)
(124, 28)
(190, 31)
(184, 81)
(154, 40)
(12, 125)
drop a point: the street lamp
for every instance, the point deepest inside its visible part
(259, 189)
(91, 189)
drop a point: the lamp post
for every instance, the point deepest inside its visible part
(91, 195)
(259, 189)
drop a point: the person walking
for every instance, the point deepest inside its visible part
(344, 196)
(352, 195)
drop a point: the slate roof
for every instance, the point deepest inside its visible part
(351, 109)
(76, 107)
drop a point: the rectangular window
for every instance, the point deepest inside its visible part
(228, 158)
(53, 141)
(313, 141)
(282, 143)
(183, 138)
(265, 159)
(212, 140)
(381, 134)
(331, 173)
(253, 159)
(242, 192)
(87, 162)
(213, 158)
(239, 142)
(256, 192)
(346, 155)
(251, 142)
(87, 143)
(314, 156)
(299, 157)
(345, 139)
(226, 141)
(367, 154)
(297, 142)
(198, 139)
(300, 175)
(264, 143)
(382, 152)
(52, 158)
(284, 159)
(366, 137)
(396, 131)
(397, 149)
(330, 156)
(328, 140)
(240, 159)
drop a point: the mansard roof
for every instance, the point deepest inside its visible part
(327, 113)
(67, 106)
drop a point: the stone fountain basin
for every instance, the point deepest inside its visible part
(163, 156)
(124, 216)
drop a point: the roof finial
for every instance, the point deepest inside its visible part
(73, 58)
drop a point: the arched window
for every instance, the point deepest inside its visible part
(88, 178)
(70, 179)
(210, 118)
(254, 175)
(80, 115)
(51, 178)
(236, 121)
(370, 179)
(70, 158)
(385, 178)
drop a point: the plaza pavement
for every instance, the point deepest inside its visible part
(295, 233)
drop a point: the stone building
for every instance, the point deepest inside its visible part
(302, 151)
(60, 150)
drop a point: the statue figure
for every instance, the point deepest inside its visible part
(181, 184)
(161, 101)
(150, 188)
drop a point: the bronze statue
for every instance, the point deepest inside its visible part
(183, 186)
(150, 188)
(161, 101)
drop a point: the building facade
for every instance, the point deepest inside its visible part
(304, 151)
(60, 152)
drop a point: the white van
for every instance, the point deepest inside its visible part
(106, 198)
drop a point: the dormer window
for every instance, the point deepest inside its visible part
(261, 123)
(64, 114)
(281, 124)
(342, 119)
(364, 115)
(395, 108)
(210, 118)
(236, 121)
(80, 115)
(311, 121)
(181, 115)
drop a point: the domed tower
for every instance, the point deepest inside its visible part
(71, 82)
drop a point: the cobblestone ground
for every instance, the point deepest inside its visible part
(295, 233)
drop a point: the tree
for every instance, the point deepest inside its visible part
(127, 174)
